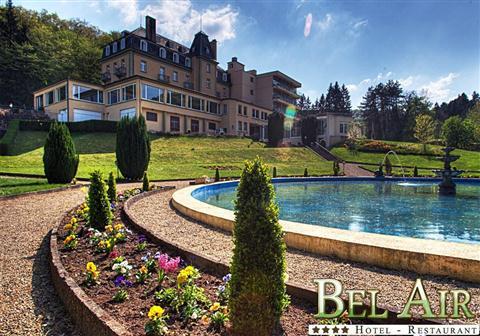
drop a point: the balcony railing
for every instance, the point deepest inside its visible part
(188, 85)
(106, 77)
(285, 87)
(164, 78)
(284, 99)
(121, 71)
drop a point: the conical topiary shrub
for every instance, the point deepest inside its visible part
(60, 160)
(146, 182)
(133, 147)
(99, 212)
(415, 171)
(305, 172)
(257, 286)
(217, 175)
(274, 172)
(112, 188)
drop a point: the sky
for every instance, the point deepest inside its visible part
(430, 46)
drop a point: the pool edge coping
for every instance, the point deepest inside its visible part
(422, 256)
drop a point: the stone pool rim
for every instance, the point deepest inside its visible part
(424, 256)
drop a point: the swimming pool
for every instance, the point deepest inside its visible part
(392, 207)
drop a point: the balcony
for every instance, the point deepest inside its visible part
(286, 90)
(188, 85)
(164, 78)
(283, 99)
(120, 71)
(106, 77)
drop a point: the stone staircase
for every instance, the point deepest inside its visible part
(324, 153)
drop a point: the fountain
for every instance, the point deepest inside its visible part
(379, 172)
(447, 186)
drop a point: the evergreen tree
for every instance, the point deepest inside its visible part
(60, 160)
(346, 107)
(146, 182)
(99, 212)
(133, 147)
(275, 129)
(217, 175)
(305, 173)
(309, 127)
(112, 188)
(257, 286)
(274, 172)
(415, 171)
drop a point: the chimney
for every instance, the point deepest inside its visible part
(213, 47)
(151, 28)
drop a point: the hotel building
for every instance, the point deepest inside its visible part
(179, 90)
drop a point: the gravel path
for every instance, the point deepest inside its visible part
(352, 169)
(156, 213)
(28, 302)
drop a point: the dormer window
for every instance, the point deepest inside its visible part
(175, 57)
(114, 47)
(122, 43)
(143, 45)
(107, 50)
(163, 52)
(187, 62)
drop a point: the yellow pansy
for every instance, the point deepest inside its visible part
(205, 320)
(101, 244)
(155, 312)
(73, 220)
(118, 227)
(189, 270)
(143, 269)
(69, 239)
(182, 277)
(68, 226)
(215, 307)
(108, 228)
(91, 267)
(119, 236)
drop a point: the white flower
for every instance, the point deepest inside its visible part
(194, 316)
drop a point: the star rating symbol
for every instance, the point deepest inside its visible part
(325, 330)
(316, 330)
(345, 330)
(335, 330)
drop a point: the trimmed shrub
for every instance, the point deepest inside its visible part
(146, 182)
(9, 137)
(305, 173)
(336, 168)
(257, 286)
(112, 188)
(99, 212)
(275, 129)
(133, 147)
(274, 171)
(415, 171)
(87, 126)
(217, 175)
(60, 160)
(388, 166)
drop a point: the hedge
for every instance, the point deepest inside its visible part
(87, 126)
(9, 137)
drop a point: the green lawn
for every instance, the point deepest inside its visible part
(14, 186)
(172, 157)
(469, 160)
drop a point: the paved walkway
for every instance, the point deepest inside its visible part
(352, 169)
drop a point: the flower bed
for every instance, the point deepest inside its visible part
(148, 289)
(378, 146)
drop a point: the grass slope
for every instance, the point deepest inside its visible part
(15, 186)
(469, 160)
(172, 157)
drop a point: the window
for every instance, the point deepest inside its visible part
(143, 45)
(245, 127)
(175, 57)
(152, 116)
(163, 52)
(213, 107)
(251, 92)
(175, 98)
(225, 108)
(62, 93)
(129, 112)
(208, 67)
(343, 128)
(187, 62)
(224, 76)
(239, 109)
(39, 102)
(196, 103)
(208, 84)
(87, 94)
(251, 79)
(143, 66)
(244, 110)
(107, 50)
(113, 96)
(175, 76)
(174, 124)
(152, 93)
(212, 126)
(195, 126)
(122, 43)
(128, 92)
(49, 98)
(239, 125)
(114, 47)
(62, 115)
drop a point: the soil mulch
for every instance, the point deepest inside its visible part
(132, 313)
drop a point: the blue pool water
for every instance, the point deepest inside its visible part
(412, 209)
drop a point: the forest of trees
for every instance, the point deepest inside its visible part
(337, 100)
(39, 48)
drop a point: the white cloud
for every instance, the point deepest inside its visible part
(360, 24)
(352, 87)
(95, 5)
(326, 23)
(128, 10)
(180, 21)
(439, 90)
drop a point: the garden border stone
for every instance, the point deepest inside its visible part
(41, 192)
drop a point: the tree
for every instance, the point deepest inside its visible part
(474, 117)
(217, 175)
(309, 130)
(424, 129)
(146, 182)
(112, 188)
(458, 133)
(257, 286)
(133, 147)
(346, 104)
(99, 212)
(275, 129)
(60, 160)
